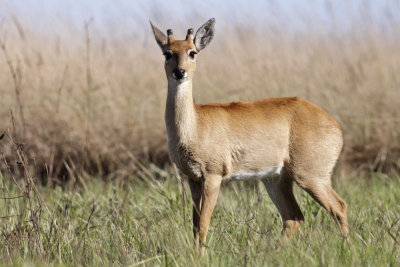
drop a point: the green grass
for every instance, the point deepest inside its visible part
(149, 223)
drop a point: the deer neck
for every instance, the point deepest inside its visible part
(180, 115)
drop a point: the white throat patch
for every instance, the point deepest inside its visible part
(181, 87)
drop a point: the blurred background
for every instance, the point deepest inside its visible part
(82, 84)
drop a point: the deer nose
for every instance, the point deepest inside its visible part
(179, 74)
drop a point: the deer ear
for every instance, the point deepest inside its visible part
(161, 38)
(204, 34)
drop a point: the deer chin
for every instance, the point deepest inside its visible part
(176, 81)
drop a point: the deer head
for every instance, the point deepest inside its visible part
(181, 55)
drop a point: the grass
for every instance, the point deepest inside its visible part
(84, 173)
(149, 223)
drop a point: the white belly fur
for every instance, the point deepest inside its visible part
(257, 174)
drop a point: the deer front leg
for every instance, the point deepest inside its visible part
(196, 188)
(211, 189)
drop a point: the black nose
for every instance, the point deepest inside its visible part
(179, 73)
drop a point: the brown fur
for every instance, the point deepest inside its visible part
(211, 142)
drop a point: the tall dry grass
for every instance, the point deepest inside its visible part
(93, 101)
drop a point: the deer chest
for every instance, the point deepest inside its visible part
(185, 160)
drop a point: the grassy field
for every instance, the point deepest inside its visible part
(85, 177)
(148, 223)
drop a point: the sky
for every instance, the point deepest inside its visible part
(49, 16)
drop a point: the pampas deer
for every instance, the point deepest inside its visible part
(275, 140)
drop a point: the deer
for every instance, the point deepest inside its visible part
(280, 141)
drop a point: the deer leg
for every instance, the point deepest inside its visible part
(196, 189)
(281, 193)
(211, 190)
(332, 202)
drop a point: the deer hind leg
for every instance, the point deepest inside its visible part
(318, 185)
(280, 190)
(196, 188)
(333, 203)
(312, 160)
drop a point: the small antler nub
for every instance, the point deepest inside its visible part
(170, 35)
(189, 34)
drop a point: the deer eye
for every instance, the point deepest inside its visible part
(192, 54)
(168, 55)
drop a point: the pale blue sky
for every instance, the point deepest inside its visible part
(120, 16)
